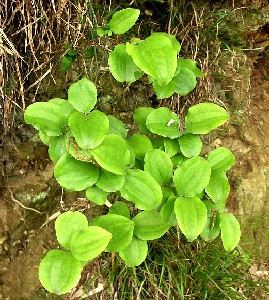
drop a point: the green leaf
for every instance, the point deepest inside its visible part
(123, 20)
(191, 214)
(171, 147)
(142, 189)
(135, 253)
(64, 105)
(75, 175)
(121, 229)
(164, 122)
(89, 242)
(68, 223)
(141, 144)
(184, 82)
(230, 231)
(211, 230)
(190, 145)
(116, 126)
(89, 130)
(47, 117)
(113, 154)
(167, 212)
(192, 176)
(120, 208)
(59, 272)
(149, 225)
(173, 40)
(66, 62)
(191, 65)
(159, 165)
(140, 116)
(218, 187)
(82, 95)
(121, 65)
(96, 195)
(177, 159)
(164, 91)
(110, 182)
(156, 56)
(89, 53)
(221, 159)
(57, 148)
(45, 139)
(204, 117)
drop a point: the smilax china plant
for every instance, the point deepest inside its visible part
(157, 176)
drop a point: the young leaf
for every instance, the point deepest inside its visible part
(120, 208)
(57, 148)
(47, 117)
(192, 176)
(142, 189)
(230, 231)
(82, 95)
(140, 116)
(221, 159)
(191, 65)
(191, 214)
(75, 175)
(123, 20)
(121, 229)
(68, 223)
(164, 122)
(156, 56)
(167, 212)
(113, 154)
(184, 82)
(149, 225)
(141, 144)
(171, 147)
(59, 271)
(190, 145)
(135, 253)
(164, 91)
(159, 165)
(110, 182)
(121, 65)
(96, 195)
(89, 130)
(89, 242)
(202, 118)
(218, 187)
(116, 126)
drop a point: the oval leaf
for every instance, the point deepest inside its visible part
(204, 117)
(59, 271)
(167, 212)
(135, 253)
(190, 145)
(121, 229)
(117, 127)
(191, 214)
(212, 229)
(192, 176)
(140, 116)
(123, 20)
(83, 95)
(110, 182)
(221, 159)
(142, 189)
(149, 225)
(66, 224)
(184, 82)
(57, 148)
(230, 231)
(88, 243)
(96, 195)
(75, 175)
(120, 208)
(141, 144)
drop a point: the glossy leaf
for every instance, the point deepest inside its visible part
(89, 242)
(121, 65)
(120, 208)
(96, 195)
(190, 145)
(163, 122)
(75, 175)
(192, 176)
(59, 272)
(204, 117)
(140, 116)
(123, 20)
(142, 189)
(230, 231)
(89, 130)
(121, 229)
(117, 127)
(141, 144)
(113, 154)
(135, 253)
(82, 95)
(191, 214)
(110, 182)
(159, 165)
(221, 159)
(149, 225)
(68, 223)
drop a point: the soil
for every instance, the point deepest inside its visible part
(30, 198)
